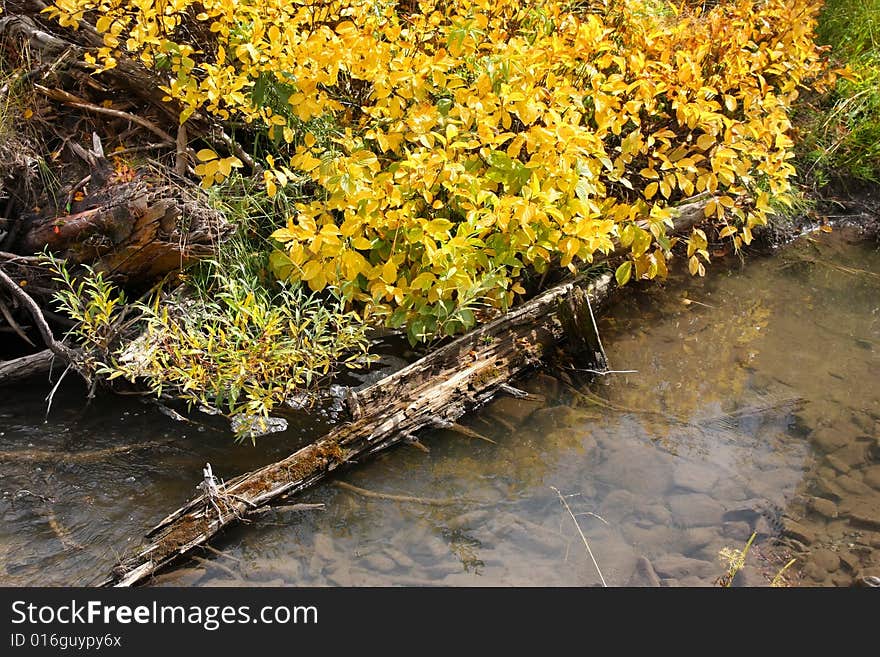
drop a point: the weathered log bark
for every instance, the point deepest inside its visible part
(432, 392)
(136, 231)
(19, 369)
(137, 227)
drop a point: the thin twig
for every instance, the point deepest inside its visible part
(79, 103)
(596, 330)
(595, 515)
(51, 395)
(220, 553)
(363, 492)
(601, 372)
(216, 564)
(61, 532)
(138, 149)
(239, 152)
(583, 538)
(14, 257)
(455, 427)
(25, 491)
(77, 187)
(13, 324)
(688, 302)
(415, 442)
(283, 508)
(46, 333)
(180, 155)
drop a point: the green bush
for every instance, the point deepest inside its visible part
(842, 135)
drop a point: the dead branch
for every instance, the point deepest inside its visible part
(13, 324)
(462, 430)
(68, 354)
(409, 499)
(213, 563)
(18, 369)
(74, 101)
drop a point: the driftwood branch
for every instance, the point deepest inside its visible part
(409, 499)
(45, 332)
(79, 103)
(439, 388)
(19, 331)
(18, 369)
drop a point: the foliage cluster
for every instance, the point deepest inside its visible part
(230, 340)
(450, 147)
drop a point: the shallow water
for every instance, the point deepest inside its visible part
(755, 407)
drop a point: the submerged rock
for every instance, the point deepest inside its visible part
(829, 439)
(823, 507)
(640, 470)
(695, 478)
(644, 574)
(852, 485)
(837, 464)
(825, 559)
(864, 512)
(514, 410)
(552, 417)
(379, 562)
(871, 476)
(750, 576)
(696, 509)
(737, 530)
(676, 566)
(797, 531)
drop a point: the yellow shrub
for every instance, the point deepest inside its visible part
(454, 144)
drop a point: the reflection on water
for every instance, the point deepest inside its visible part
(755, 407)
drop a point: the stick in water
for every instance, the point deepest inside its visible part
(583, 538)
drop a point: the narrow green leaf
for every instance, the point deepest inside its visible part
(623, 273)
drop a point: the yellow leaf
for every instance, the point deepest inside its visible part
(705, 142)
(311, 269)
(389, 272)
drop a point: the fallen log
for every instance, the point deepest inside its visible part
(19, 369)
(434, 391)
(136, 232)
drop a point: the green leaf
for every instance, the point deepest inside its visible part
(623, 273)
(466, 316)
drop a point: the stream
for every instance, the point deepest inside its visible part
(752, 406)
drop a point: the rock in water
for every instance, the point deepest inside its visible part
(797, 531)
(823, 507)
(644, 574)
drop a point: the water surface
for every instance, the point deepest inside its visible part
(754, 407)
